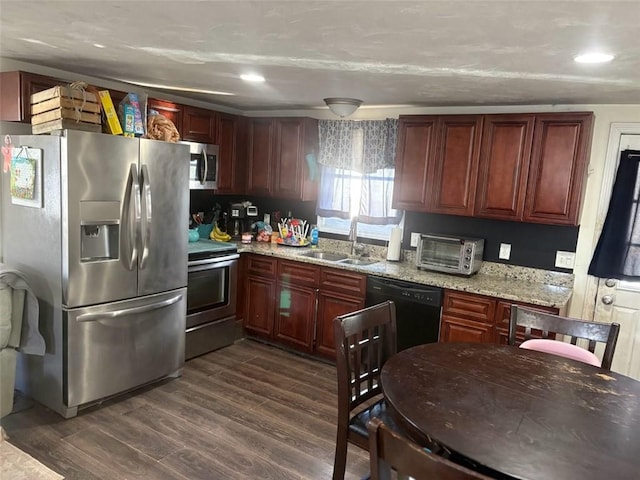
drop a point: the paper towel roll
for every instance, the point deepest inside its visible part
(395, 241)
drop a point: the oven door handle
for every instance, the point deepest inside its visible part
(211, 263)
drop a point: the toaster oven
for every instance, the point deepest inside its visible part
(456, 255)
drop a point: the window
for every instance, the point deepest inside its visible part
(347, 190)
(356, 178)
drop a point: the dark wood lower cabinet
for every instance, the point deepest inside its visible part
(293, 303)
(331, 305)
(258, 311)
(459, 330)
(295, 316)
(467, 317)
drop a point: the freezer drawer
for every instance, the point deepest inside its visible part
(111, 348)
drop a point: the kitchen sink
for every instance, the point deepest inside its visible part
(329, 256)
(358, 261)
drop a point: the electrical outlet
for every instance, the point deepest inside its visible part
(565, 259)
(415, 238)
(505, 251)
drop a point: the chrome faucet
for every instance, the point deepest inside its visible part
(356, 248)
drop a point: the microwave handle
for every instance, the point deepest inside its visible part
(206, 165)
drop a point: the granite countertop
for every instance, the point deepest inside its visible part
(538, 287)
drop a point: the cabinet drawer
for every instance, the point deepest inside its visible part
(503, 312)
(298, 273)
(261, 266)
(454, 329)
(469, 306)
(344, 282)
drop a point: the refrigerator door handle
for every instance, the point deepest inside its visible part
(131, 220)
(145, 230)
(92, 317)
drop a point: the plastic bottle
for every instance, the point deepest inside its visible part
(314, 235)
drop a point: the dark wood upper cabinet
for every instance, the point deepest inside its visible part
(199, 125)
(455, 165)
(277, 157)
(295, 138)
(559, 158)
(416, 135)
(520, 167)
(231, 154)
(172, 111)
(504, 166)
(16, 89)
(260, 161)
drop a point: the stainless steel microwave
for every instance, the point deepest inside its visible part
(460, 256)
(203, 166)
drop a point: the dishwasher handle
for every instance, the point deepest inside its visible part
(408, 292)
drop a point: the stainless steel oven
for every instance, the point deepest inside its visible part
(211, 302)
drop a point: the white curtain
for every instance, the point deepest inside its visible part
(357, 161)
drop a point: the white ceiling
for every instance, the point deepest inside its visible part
(428, 53)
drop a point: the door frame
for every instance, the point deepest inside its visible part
(616, 131)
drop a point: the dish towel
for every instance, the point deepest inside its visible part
(31, 341)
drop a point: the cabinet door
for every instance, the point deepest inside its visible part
(295, 316)
(260, 164)
(16, 89)
(172, 111)
(259, 305)
(504, 165)
(452, 183)
(228, 132)
(561, 147)
(289, 156)
(503, 315)
(458, 330)
(467, 317)
(199, 125)
(415, 146)
(330, 305)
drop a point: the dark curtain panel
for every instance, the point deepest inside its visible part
(617, 254)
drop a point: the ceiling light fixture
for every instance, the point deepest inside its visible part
(593, 57)
(252, 77)
(99, 45)
(343, 107)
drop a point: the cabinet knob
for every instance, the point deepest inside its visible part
(607, 299)
(610, 282)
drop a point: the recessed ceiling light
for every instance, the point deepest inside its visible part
(594, 57)
(252, 77)
(99, 45)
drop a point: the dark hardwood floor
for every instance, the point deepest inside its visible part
(246, 411)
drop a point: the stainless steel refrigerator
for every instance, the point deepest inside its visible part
(104, 246)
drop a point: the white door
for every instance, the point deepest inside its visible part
(619, 301)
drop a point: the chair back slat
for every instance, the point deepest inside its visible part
(594, 332)
(388, 449)
(364, 340)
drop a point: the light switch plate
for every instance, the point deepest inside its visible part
(505, 251)
(415, 237)
(565, 259)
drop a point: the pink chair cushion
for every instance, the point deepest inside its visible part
(563, 349)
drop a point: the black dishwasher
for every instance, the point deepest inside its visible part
(417, 308)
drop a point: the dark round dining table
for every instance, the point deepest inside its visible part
(525, 414)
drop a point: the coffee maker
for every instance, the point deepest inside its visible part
(241, 216)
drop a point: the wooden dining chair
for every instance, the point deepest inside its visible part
(389, 449)
(364, 340)
(594, 332)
